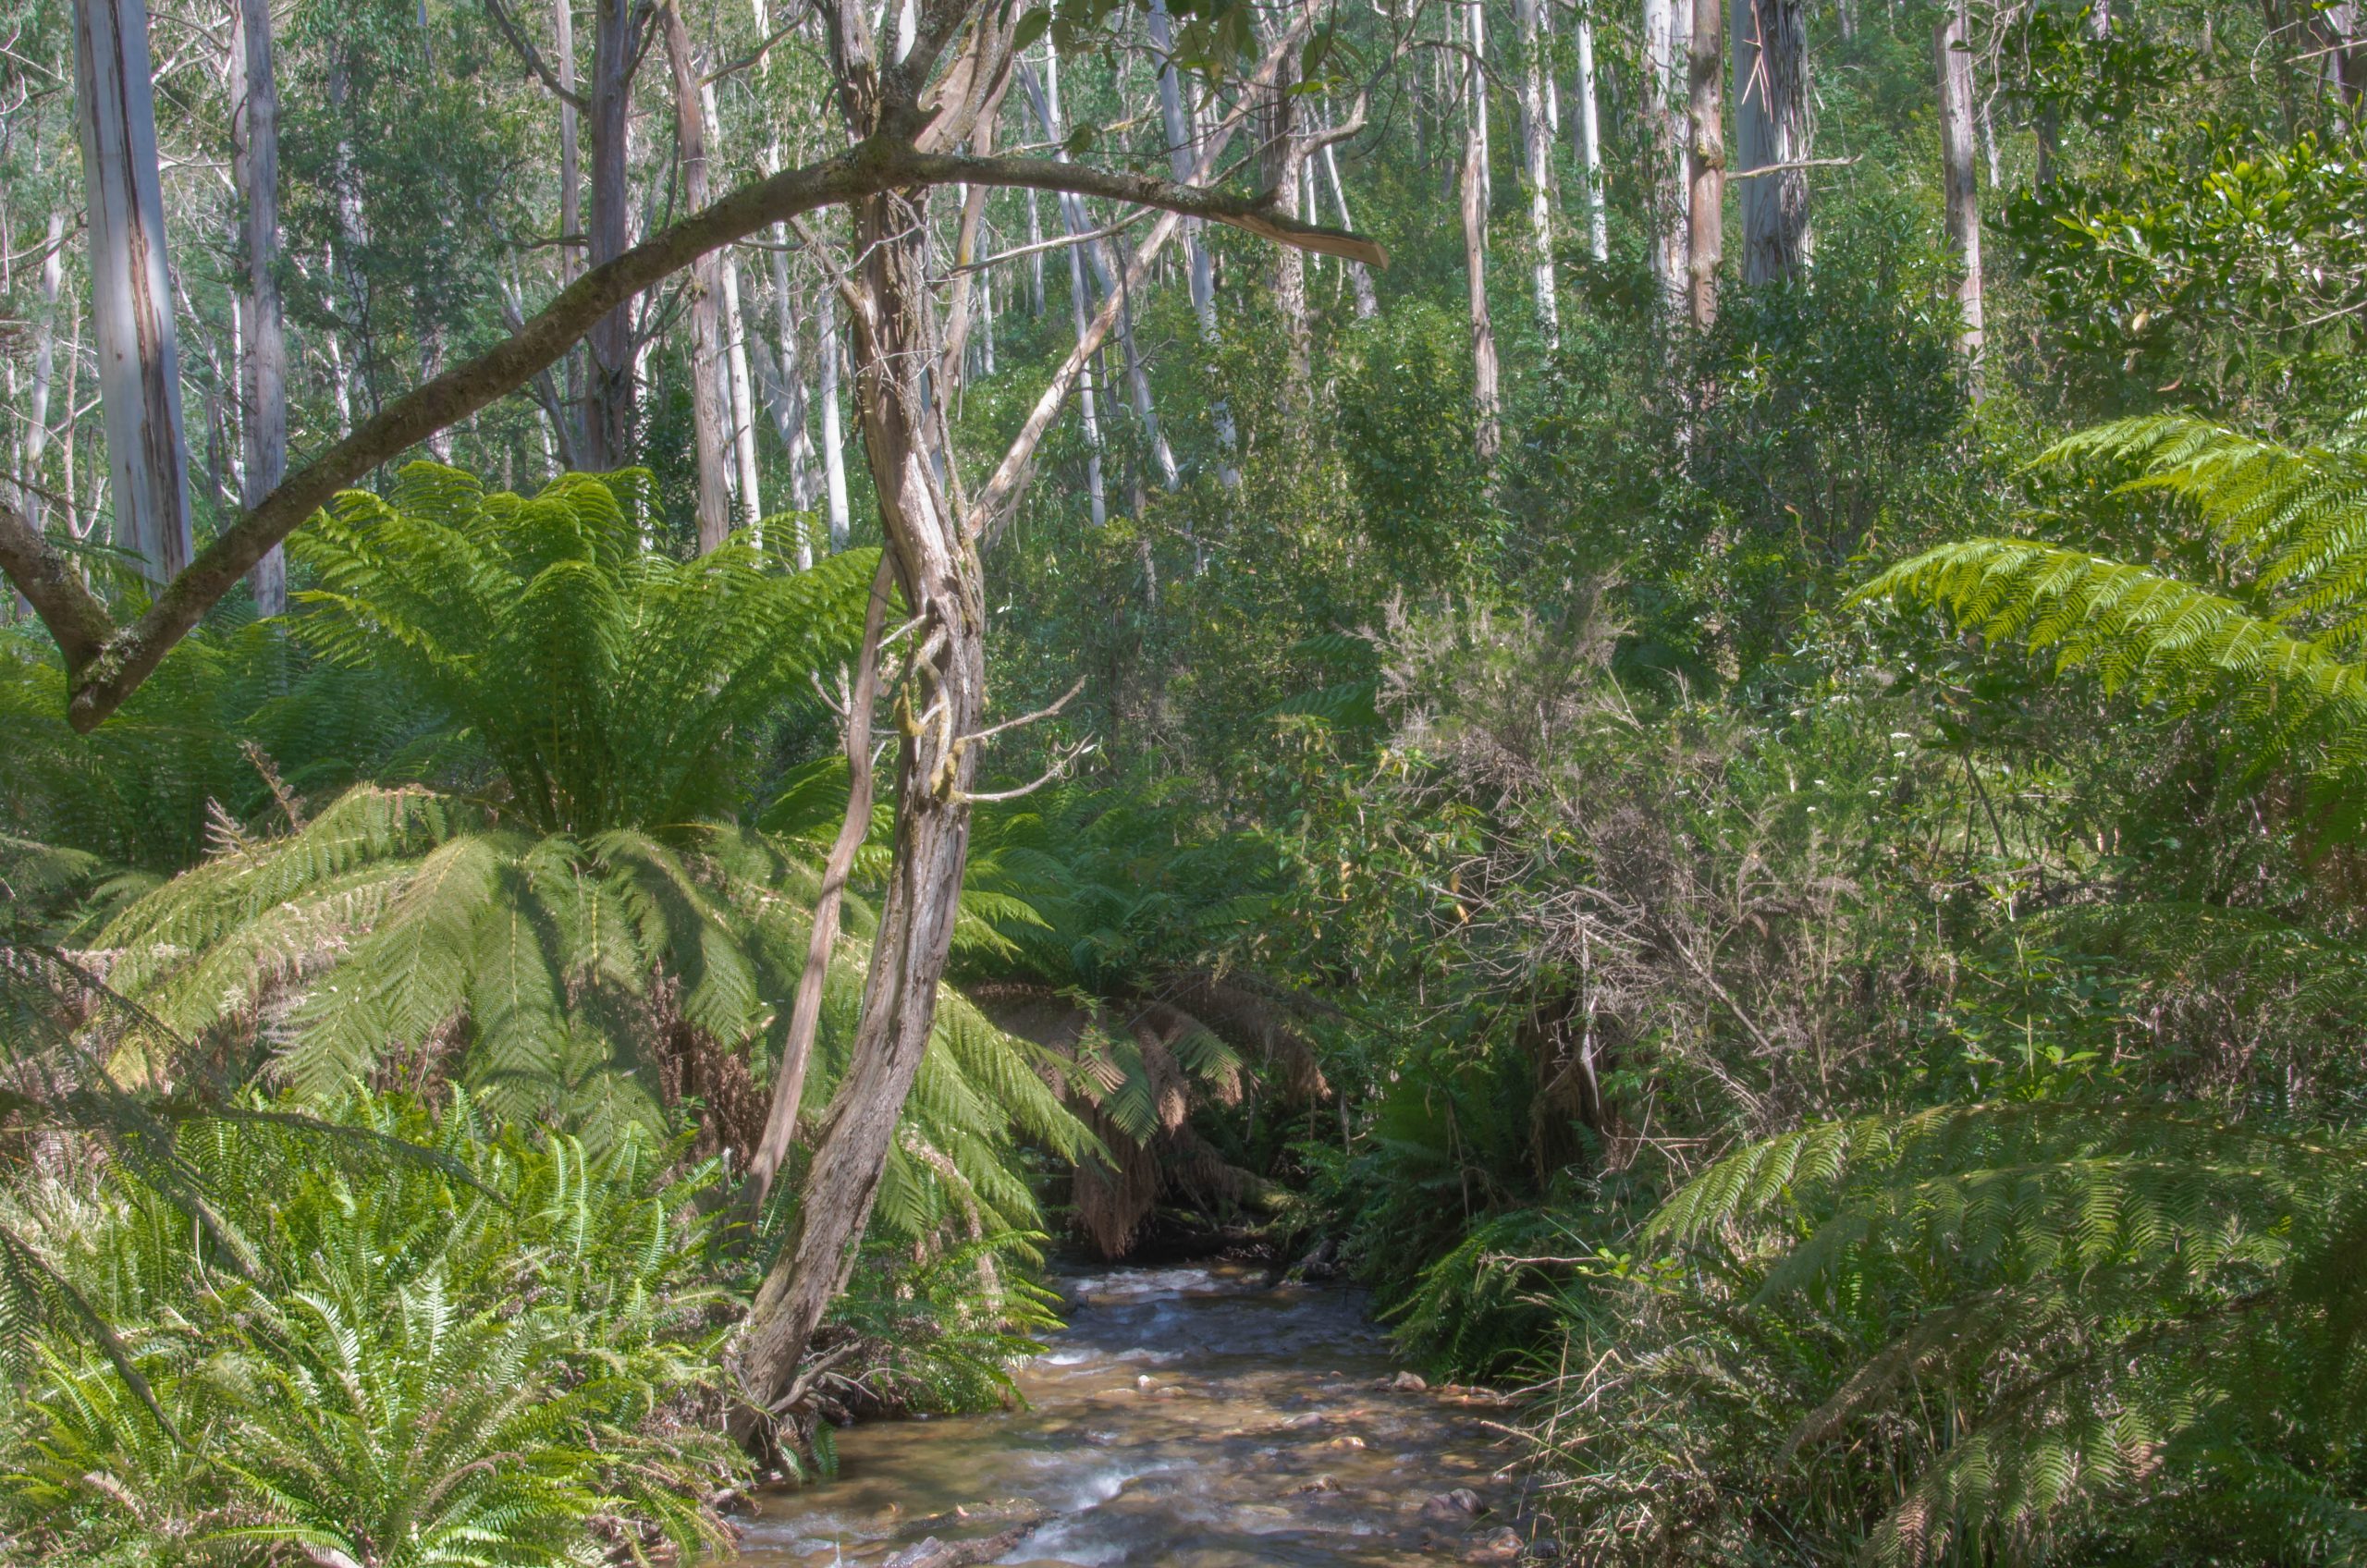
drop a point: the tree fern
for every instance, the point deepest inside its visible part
(2111, 1302)
(2278, 650)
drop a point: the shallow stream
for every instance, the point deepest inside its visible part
(1195, 1417)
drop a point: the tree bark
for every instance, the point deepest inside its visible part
(1586, 122)
(1959, 180)
(131, 299)
(263, 371)
(1772, 128)
(1706, 201)
(608, 414)
(706, 293)
(1538, 159)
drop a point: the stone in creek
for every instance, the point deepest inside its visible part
(1320, 1484)
(1407, 1382)
(1452, 1508)
(1351, 1441)
(1499, 1546)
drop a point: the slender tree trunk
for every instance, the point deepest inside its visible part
(1181, 131)
(1958, 179)
(743, 402)
(1485, 400)
(706, 293)
(1284, 175)
(131, 299)
(1586, 121)
(262, 373)
(609, 418)
(1359, 276)
(1046, 95)
(573, 242)
(1537, 149)
(1664, 113)
(1773, 130)
(822, 940)
(1706, 201)
(834, 441)
(53, 280)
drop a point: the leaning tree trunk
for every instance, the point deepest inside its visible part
(263, 370)
(1706, 203)
(1958, 179)
(707, 295)
(821, 936)
(943, 703)
(131, 299)
(1772, 132)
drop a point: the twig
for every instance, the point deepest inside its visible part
(1794, 163)
(993, 730)
(1059, 766)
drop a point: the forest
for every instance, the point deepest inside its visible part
(1641, 723)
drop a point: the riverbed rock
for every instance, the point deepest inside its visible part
(1497, 1546)
(933, 1553)
(1351, 1440)
(1452, 1508)
(1320, 1484)
(1408, 1383)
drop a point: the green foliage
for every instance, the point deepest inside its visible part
(612, 686)
(500, 1357)
(2277, 650)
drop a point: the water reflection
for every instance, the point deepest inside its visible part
(1187, 1416)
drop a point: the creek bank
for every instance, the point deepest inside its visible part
(1198, 1416)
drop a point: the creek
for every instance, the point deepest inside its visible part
(1194, 1417)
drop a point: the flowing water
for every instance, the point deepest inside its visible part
(1186, 1417)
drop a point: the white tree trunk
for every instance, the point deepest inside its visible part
(735, 355)
(1586, 123)
(834, 441)
(52, 279)
(263, 370)
(706, 294)
(1359, 276)
(1955, 70)
(1486, 399)
(1538, 166)
(131, 308)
